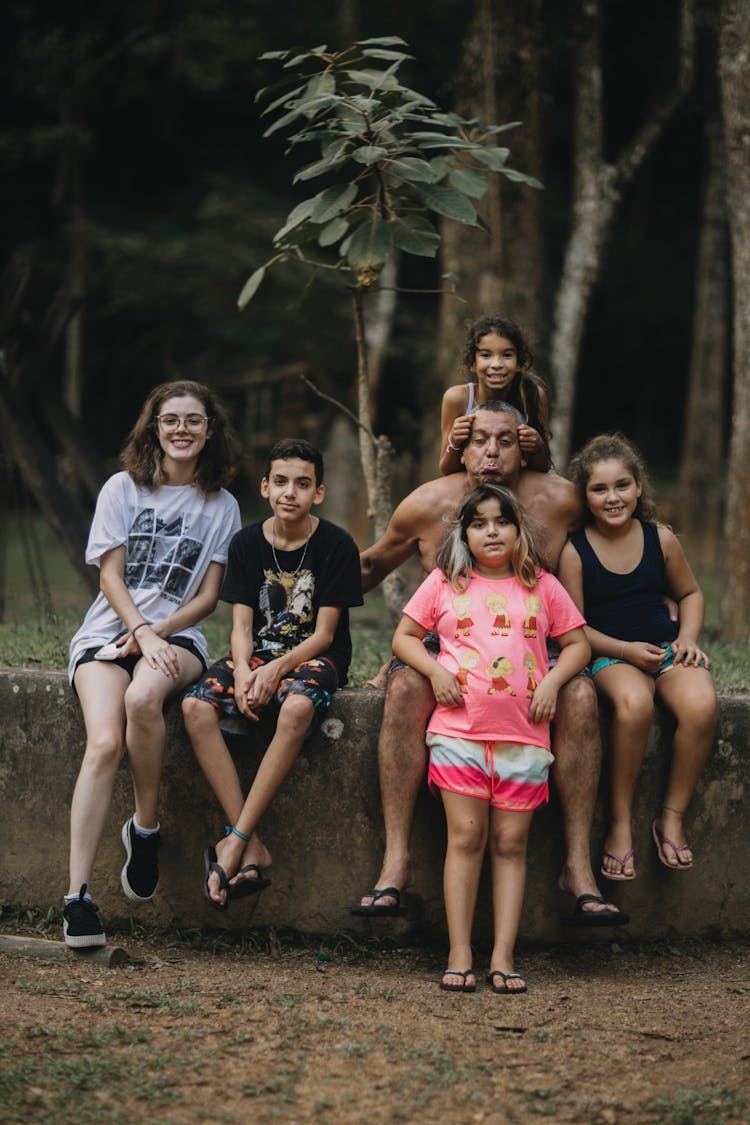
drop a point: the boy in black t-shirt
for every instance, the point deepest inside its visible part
(290, 580)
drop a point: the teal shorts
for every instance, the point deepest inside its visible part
(666, 664)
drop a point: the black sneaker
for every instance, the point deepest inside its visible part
(81, 925)
(140, 875)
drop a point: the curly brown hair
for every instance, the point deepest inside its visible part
(612, 447)
(219, 461)
(524, 391)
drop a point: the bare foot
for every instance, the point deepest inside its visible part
(670, 841)
(380, 679)
(617, 854)
(506, 981)
(392, 875)
(575, 884)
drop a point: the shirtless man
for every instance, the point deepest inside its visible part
(419, 525)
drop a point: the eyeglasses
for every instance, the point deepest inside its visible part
(192, 422)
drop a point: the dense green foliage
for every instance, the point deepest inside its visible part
(396, 155)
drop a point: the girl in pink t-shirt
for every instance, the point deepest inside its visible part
(496, 696)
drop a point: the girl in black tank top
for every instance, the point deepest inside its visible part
(620, 569)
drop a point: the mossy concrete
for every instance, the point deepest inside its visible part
(325, 829)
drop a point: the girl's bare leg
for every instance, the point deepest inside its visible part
(509, 833)
(101, 690)
(146, 729)
(690, 695)
(631, 693)
(468, 824)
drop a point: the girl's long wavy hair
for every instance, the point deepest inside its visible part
(456, 560)
(523, 392)
(612, 447)
(143, 457)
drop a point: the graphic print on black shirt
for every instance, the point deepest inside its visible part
(286, 603)
(161, 554)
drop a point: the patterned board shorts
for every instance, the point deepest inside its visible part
(667, 663)
(316, 678)
(510, 775)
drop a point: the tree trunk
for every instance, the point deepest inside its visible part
(598, 190)
(701, 478)
(734, 70)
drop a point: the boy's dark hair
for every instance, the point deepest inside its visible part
(289, 448)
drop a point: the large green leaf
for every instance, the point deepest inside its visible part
(286, 119)
(332, 202)
(379, 53)
(318, 168)
(324, 83)
(369, 154)
(250, 287)
(376, 79)
(381, 41)
(298, 215)
(333, 231)
(469, 182)
(521, 178)
(449, 203)
(415, 235)
(412, 169)
(370, 244)
(491, 156)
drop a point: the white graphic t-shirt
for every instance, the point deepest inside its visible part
(171, 536)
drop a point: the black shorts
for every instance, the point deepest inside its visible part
(128, 663)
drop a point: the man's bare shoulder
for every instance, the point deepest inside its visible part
(553, 493)
(430, 500)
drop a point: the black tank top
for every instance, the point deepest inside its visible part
(627, 606)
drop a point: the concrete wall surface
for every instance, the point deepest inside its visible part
(326, 835)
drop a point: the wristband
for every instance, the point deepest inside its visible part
(622, 650)
(139, 626)
(451, 448)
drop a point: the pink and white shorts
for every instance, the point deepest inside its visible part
(510, 775)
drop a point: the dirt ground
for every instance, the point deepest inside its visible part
(606, 1034)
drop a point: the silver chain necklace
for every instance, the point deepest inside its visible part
(273, 550)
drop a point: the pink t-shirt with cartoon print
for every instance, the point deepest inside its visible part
(493, 639)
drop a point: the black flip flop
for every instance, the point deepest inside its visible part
(395, 910)
(463, 987)
(248, 886)
(581, 917)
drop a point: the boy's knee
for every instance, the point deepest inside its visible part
(196, 713)
(297, 709)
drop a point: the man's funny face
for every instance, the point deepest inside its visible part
(492, 452)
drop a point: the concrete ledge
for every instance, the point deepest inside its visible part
(325, 829)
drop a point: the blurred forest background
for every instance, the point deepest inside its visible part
(139, 193)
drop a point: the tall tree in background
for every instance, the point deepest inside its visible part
(734, 70)
(598, 189)
(701, 473)
(501, 77)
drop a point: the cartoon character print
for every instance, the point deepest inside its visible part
(469, 660)
(496, 605)
(286, 603)
(529, 664)
(462, 606)
(497, 670)
(533, 604)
